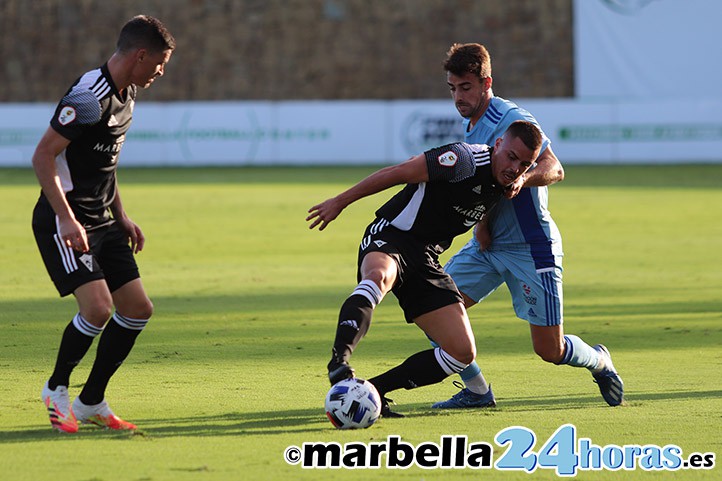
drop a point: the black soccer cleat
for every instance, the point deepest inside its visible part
(386, 411)
(338, 371)
(610, 384)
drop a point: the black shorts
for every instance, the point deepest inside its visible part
(422, 285)
(110, 257)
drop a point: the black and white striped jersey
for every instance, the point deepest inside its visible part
(95, 117)
(461, 190)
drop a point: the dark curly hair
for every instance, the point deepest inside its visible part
(465, 58)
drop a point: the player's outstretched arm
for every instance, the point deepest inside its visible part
(548, 170)
(412, 171)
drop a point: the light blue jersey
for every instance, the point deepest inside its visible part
(524, 221)
(526, 246)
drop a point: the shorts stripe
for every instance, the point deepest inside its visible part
(66, 254)
(379, 226)
(551, 299)
(373, 230)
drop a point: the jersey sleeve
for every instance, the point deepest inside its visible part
(450, 163)
(78, 110)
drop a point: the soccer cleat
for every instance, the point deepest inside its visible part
(467, 399)
(386, 411)
(338, 371)
(100, 415)
(609, 382)
(59, 410)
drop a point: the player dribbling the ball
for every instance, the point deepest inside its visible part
(448, 190)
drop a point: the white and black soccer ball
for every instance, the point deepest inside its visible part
(352, 404)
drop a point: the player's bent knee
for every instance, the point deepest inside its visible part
(97, 314)
(461, 349)
(381, 278)
(463, 354)
(141, 310)
(146, 311)
(552, 354)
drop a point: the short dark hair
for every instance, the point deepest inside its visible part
(143, 31)
(527, 132)
(471, 58)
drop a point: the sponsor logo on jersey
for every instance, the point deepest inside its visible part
(108, 148)
(448, 159)
(112, 121)
(477, 189)
(473, 215)
(67, 115)
(379, 243)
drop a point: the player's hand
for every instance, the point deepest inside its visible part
(322, 214)
(135, 234)
(72, 233)
(514, 189)
(482, 235)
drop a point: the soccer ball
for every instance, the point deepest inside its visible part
(353, 403)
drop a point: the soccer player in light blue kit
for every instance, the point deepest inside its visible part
(519, 245)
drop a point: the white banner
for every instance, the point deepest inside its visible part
(380, 132)
(648, 49)
(256, 133)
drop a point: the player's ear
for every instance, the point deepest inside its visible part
(140, 54)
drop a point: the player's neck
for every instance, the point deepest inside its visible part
(119, 71)
(475, 118)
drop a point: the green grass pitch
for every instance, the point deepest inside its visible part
(230, 371)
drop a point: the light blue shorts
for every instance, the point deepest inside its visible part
(536, 293)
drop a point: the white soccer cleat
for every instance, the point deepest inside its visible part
(58, 404)
(100, 415)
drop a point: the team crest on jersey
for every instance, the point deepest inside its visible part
(67, 115)
(448, 159)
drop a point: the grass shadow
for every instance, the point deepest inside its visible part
(304, 421)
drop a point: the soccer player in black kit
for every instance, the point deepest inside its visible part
(449, 189)
(85, 238)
